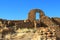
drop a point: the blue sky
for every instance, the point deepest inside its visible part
(18, 9)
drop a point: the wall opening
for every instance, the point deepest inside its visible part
(37, 15)
(37, 19)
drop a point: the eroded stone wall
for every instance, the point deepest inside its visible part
(32, 14)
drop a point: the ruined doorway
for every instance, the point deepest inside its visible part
(34, 15)
(37, 16)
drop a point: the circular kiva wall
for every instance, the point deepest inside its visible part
(32, 14)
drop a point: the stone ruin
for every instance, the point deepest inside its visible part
(8, 26)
